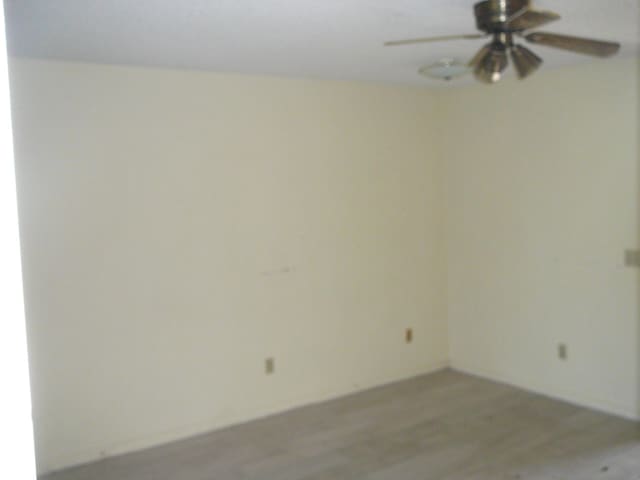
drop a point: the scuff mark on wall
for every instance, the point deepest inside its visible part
(278, 271)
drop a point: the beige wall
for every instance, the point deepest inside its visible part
(179, 228)
(542, 192)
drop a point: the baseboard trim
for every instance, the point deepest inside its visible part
(599, 405)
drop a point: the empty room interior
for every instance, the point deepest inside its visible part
(338, 239)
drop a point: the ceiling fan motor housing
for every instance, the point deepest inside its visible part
(492, 15)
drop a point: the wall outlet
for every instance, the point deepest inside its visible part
(269, 366)
(408, 335)
(632, 258)
(563, 351)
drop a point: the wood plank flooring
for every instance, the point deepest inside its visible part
(444, 426)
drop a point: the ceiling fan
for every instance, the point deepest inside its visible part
(509, 20)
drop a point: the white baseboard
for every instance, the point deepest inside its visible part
(574, 398)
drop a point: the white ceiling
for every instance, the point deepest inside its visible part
(338, 39)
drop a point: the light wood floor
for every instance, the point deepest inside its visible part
(445, 426)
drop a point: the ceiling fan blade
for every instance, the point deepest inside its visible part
(443, 38)
(586, 46)
(528, 19)
(524, 60)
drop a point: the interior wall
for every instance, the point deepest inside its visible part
(180, 222)
(179, 228)
(541, 204)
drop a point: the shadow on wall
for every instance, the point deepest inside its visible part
(638, 228)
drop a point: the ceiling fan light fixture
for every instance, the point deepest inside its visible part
(479, 57)
(492, 65)
(524, 60)
(445, 69)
